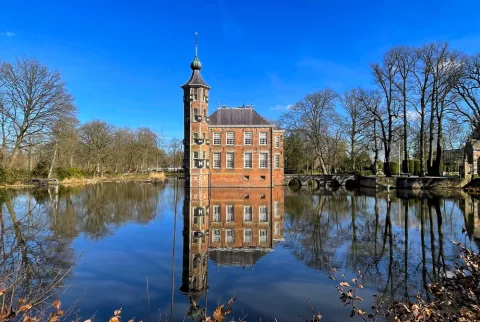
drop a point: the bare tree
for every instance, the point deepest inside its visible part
(96, 139)
(312, 118)
(355, 123)
(468, 88)
(384, 75)
(33, 100)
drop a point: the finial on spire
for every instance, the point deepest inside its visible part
(196, 43)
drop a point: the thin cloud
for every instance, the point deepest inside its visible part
(280, 107)
(8, 34)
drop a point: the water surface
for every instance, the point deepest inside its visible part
(270, 248)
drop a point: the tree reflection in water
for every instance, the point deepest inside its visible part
(400, 242)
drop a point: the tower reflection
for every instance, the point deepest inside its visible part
(232, 227)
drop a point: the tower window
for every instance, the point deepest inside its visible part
(276, 208)
(277, 141)
(277, 161)
(195, 111)
(263, 138)
(205, 112)
(195, 94)
(195, 154)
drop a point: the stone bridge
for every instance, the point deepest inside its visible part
(318, 180)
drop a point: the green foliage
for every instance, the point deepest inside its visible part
(380, 165)
(12, 176)
(41, 169)
(69, 173)
(411, 166)
(394, 167)
(475, 176)
(416, 167)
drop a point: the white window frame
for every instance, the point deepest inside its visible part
(276, 161)
(260, 165)
(263, 138)
(262, 236)
(250, 140)
(251, 160)
(230, 216)
(232, 165)
(230, 140)
(217, 138)
(250, 235)
(276, 208)
(230, 232)
(277, 141)
(217, 214)
(216, 235)
(247, 214)
(262, 211)
(217, 163)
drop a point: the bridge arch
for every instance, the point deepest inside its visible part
(295, 182)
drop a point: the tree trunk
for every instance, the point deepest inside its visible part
(437, 169)
(431, 133)
(405, 134)
(53, 161)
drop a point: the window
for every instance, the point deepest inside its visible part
(217, 138)
(276, 161)
(230, 235)
(204, 110)
(216, 213)
(262, 138)
(217, 158)
(204, 154)
(247, 160)
(216, 237)
(195, 112)
(277, 228)
(195, 154)
(262, 214)
(263, 160)
(230, 213)
(230, 160)
(247, 235)
(247, 213)
(246, 177)
(247, 138)
(277, 141)
(276, 209)
(230, 138)
(195, 94)
(262, 236)
(262, 178)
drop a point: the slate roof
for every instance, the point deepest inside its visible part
(195, 79)
(243, 116)
(237, 256)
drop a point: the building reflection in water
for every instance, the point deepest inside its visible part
(232, 227)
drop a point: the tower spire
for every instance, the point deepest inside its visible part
(196, 43)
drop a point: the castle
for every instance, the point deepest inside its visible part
(233, 147)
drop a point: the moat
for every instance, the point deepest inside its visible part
(270, 248)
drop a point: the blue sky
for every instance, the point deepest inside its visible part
(124, 61)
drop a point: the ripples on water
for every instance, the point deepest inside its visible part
(271, 248)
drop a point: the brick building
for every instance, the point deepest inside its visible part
(234, 147)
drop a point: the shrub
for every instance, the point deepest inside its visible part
(379, 165)
(394, 167)
(475, 176)
(13, 176)
(69, 173)
(416, 167)
(41, 169)
(411, 166)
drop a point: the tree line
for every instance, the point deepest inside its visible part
(41, 134)
(425, 100)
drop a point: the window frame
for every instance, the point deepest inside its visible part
(232, 142)
(232, 165)
(216, 233)
(260, 213)
(260, 138)
(262, 233)
(245, 213)
(219, 134)
(251, 160)
(260, 160)
(232, 231)
(228, 214)
(245, 230)
(217, 213)
(276, 141)
(276, 161)
(219, 154)
(245, 138)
